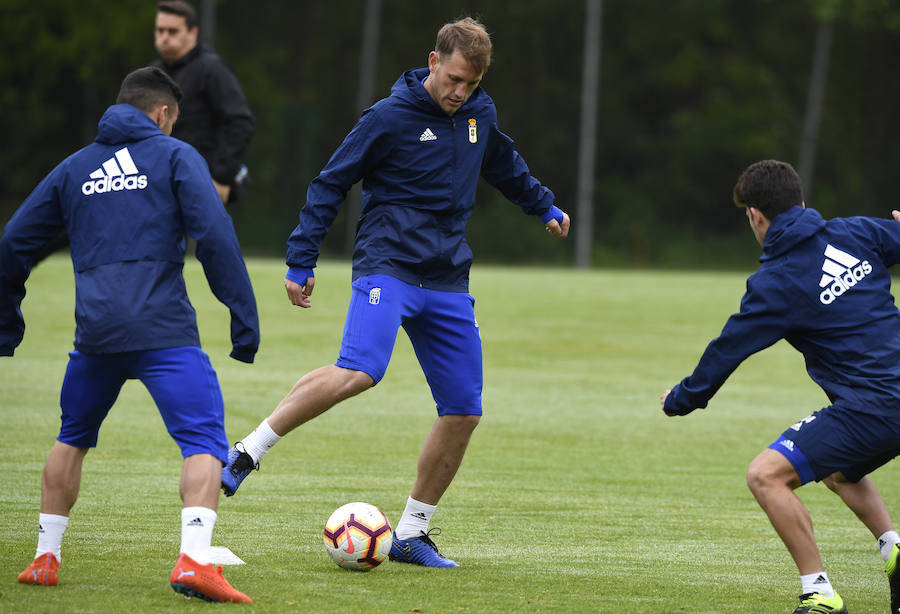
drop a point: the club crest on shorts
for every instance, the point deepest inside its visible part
(374, 296)
(473, 131)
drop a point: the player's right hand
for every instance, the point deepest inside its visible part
(299, 295)
(896, 215)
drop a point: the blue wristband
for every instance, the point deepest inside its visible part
(553, 213)
(298, 275)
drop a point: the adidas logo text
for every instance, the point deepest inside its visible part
(116, 174)
(196, 522)
(840, 272)
(428, 135)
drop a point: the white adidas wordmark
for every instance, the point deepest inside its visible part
(428, 135)
(840, 272)
(116, 174)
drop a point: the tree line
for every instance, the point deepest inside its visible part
(691, 92)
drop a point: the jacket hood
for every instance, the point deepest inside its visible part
(123, 123)
(409, 87)
(790, 228)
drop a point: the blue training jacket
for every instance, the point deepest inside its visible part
(419, 168)
(826, 289)
(126, 202)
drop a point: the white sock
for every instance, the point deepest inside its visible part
(51, 529)
(817, 583)
(260, 441)
(414, 520)
(886, 544)
(196, 532)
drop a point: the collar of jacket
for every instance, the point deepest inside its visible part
(409, 88)
(186, 58)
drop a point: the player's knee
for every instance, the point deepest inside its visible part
(759, 475)
(463, 422)
(770, 470)
(470, 421)
(353, 382)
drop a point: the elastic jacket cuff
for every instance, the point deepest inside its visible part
(243, 354)
(553, 213)
(299, 275)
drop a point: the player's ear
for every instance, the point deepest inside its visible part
(162, 115)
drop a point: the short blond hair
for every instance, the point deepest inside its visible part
(470, 37)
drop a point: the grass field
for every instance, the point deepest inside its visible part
(577, 494)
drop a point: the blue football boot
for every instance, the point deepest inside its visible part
(239, 466)
(420, 551)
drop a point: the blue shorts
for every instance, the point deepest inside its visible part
(180, 380)
(835, 440)
(440, 325)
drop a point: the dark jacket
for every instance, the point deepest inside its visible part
(214, 114)
(126, 201)
(419, 169)
(825, 288)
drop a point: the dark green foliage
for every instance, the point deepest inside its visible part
(690, 94)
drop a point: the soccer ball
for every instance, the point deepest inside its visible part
(358, 536)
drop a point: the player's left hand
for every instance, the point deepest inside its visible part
(299, 295)
(896, 215)
(559, 230)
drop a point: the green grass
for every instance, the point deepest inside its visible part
(577, 494)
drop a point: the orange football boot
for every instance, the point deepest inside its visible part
(41, 571)
(204, 581)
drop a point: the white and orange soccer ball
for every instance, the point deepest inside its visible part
(358, 536)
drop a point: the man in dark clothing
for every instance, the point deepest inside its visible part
(824, 287)
(215, 116)
(127, 200)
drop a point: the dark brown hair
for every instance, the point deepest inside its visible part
(180, 8)
(148, 88)
(770, 186)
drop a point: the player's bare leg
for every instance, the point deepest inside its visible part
(200, 481)
(442, 455)
(439, 461)
(61, 479)
(193, 575)
(772, 480)
(315, 393)
(60, 482)
(863, 498)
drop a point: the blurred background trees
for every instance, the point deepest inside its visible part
(691, 92)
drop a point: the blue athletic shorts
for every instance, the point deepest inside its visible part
(180, 380)
(440, 325)
(837, 440)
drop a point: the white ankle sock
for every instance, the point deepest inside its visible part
(260, 441)
(817, 583)
(886, 544)
(414, 520)
(50, 533)
(196, 532)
